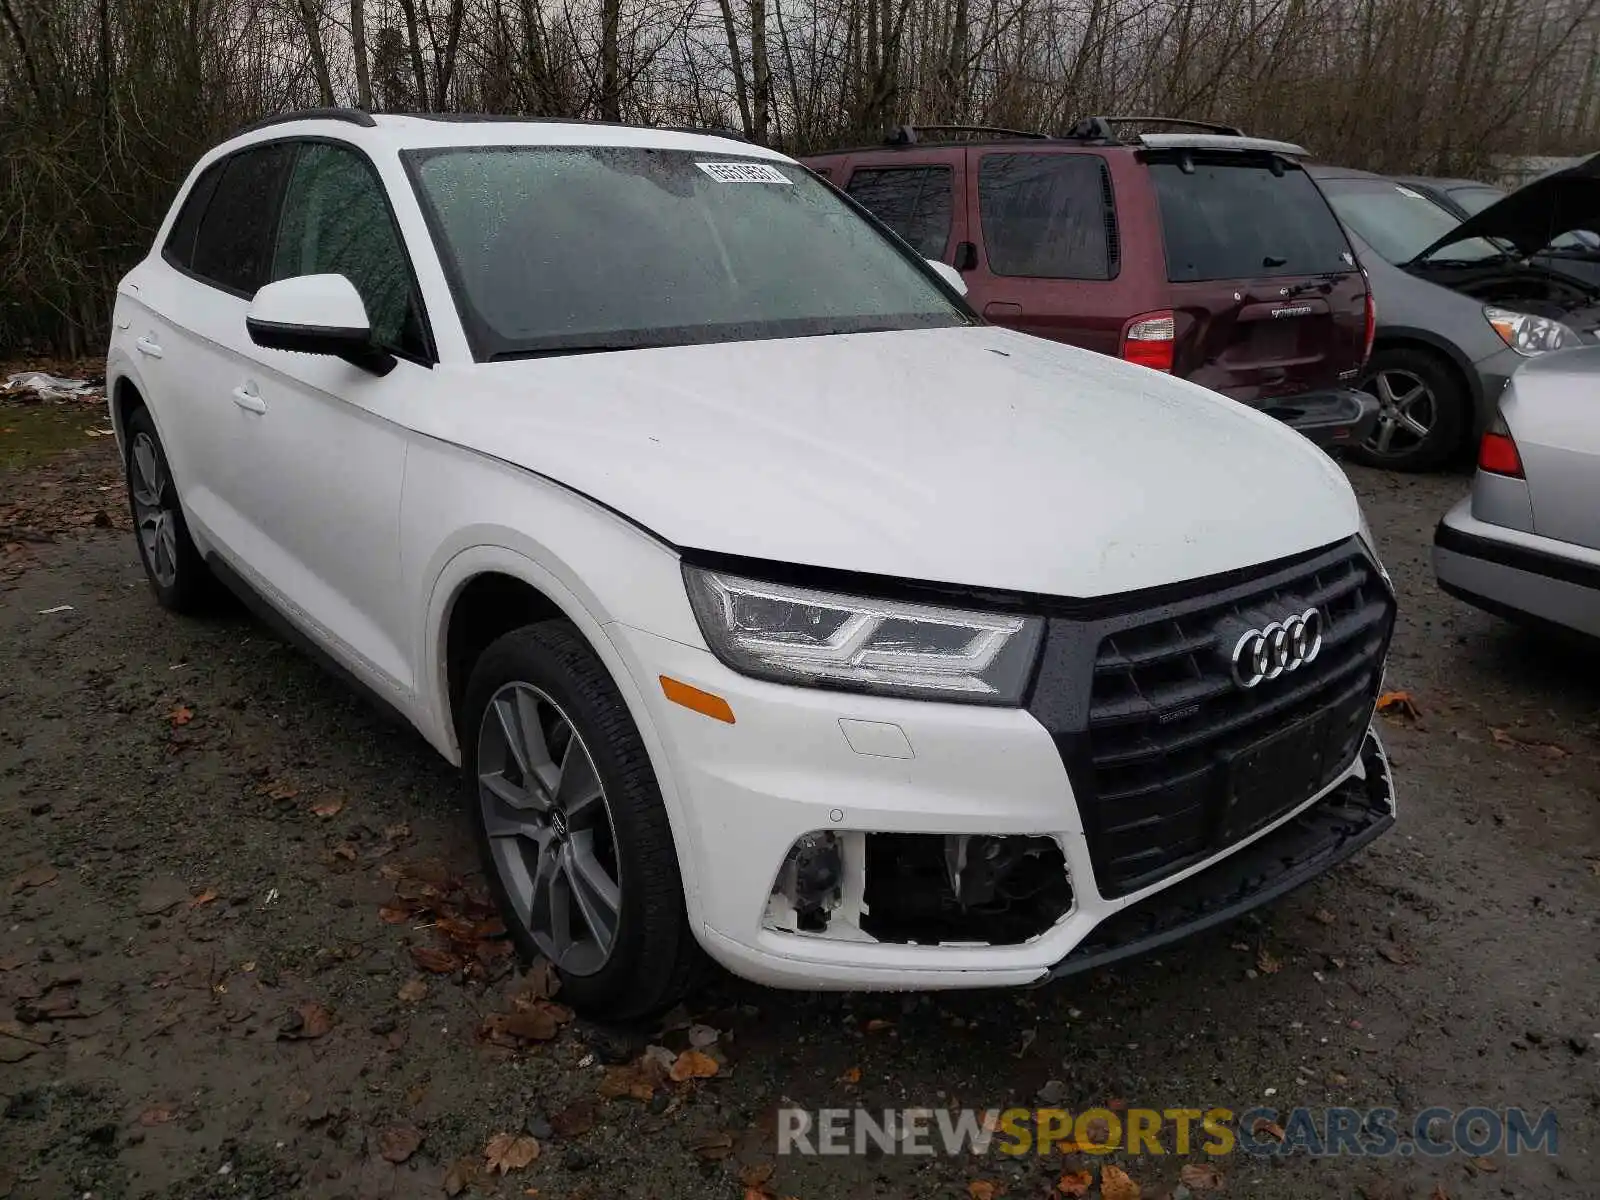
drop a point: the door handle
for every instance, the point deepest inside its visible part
(147, 346)
(247, 399)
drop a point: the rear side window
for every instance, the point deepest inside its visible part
(912, 201)
(179, 249)
(1048, 216)
(1234, 217)
(234, 246)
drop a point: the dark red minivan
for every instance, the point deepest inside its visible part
(1201, 252)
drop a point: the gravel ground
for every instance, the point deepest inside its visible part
(244, 953)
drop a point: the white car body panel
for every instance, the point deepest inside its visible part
(360, 506)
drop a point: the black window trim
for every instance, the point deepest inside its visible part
(1113, 231)
(946, 166)
(412, 159)
(430, 356)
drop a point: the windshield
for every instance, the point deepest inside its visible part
(561, 250)
(1400, 222)
(1476, 199)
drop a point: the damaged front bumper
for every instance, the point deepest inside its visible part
(953, 857)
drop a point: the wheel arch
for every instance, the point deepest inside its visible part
(486, 590)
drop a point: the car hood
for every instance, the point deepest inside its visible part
(1536, 213)
(973, 456)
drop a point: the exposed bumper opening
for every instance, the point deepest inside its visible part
(922, 889)
(1328, 832)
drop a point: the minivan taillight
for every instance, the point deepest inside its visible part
(1372, 328)
(1497, 453)
(1148, 340)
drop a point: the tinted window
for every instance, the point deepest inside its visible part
(336, 221)
(554, 250)
(234, 244)
(1232, 217)
(912, 201)
(1476, 199)
(180, 242)
(1399, 222)
(1048, 215)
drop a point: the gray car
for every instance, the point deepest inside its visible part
(1526, 542)
(1459, 308)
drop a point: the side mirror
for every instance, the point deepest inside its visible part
(316, 314)
(950, 275)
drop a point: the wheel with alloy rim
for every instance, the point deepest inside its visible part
(177, 573)
(570, 824)
(1421, 411)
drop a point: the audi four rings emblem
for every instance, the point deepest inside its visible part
(1280, 647)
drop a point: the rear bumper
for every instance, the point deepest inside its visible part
(1341, 417)
(1514, 574)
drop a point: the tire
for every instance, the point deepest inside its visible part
(176, 570)
(1414, 387)
(537, 704)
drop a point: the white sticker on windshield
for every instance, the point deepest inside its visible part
(1405, 191)
(742, 172)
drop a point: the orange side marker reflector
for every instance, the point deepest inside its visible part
(705, 703)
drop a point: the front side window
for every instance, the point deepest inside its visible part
(336, 221)
(1244, 216)
(557, 250)
(233, 244)
(1048, 216)
(912, 201)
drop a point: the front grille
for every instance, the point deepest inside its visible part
(1150, 757)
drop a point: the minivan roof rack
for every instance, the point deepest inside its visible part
(1102, 129)
(354, 116)
(910, 135)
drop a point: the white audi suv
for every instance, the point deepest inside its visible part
(773, 605)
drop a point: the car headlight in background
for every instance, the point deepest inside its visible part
(1528, 334)
(822, 639)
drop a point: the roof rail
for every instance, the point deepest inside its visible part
(354, 116)
(1100, 129)
(721, 131)
(910, 135)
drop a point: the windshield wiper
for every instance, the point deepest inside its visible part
(580, 348)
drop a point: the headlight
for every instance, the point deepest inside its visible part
(796, 635)
(1528, 334)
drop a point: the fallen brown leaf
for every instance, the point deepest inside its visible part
(35, 877)
(181, 715)
(399, 1142)
(713, 1146)
(853, 1075)
(984, 1189)
(630, 1080)
(331, 807)
(878, 1025)
(514, 1027)
(462, 1174)
(346, 851)
(310, 1020)
(1270, 1128)
(756, 1176)
(509, 1152)
(279, 789)
(1075, 1183)
(205, 897)
(157, 1114)
(391, 914)
(575, 1120)
(543, 982)
(11, 962)
(1323, 917)
(413, 990)
(1394, 954)
(1487, 1165)
(1266, 963)
(431, 958)
(1438, 1193)
(1399, 703)
(693, 1064)
(1201, 1177)
(1117, 1184)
